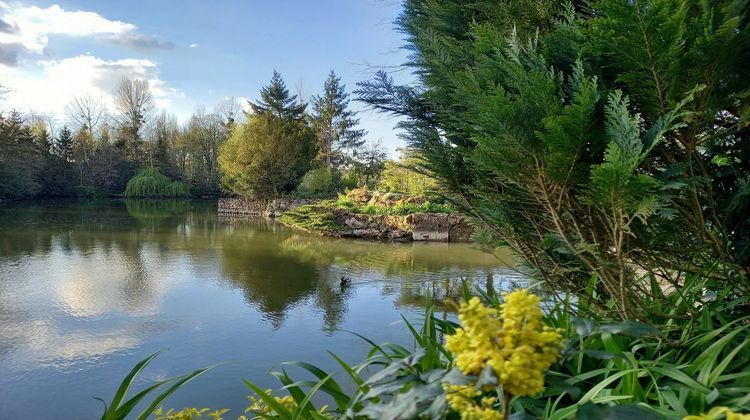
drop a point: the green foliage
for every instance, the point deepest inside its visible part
(590, 137)
(196, 150)
(318, 182)
(334, 123)
(275, 100)
(120, 409)
(367, 163)
(267, 156)
(319, 217)
(20, 158)
(64, 144)
(405, 176)
(150, 183)
(608, 369)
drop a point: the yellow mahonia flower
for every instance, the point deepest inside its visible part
(513, 341)
(189, 413)
(719, 413)
(462, 399)
(257, 405)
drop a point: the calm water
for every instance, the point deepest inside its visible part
(87, 290)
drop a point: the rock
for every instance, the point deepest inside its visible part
(354, 223)
(460, 230)
(415, 199)
(359, 195)
(384, 199)
(430, 227)
(366, 233)
(398, 235)
(259, 206)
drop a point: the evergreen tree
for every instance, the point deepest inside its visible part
(19, 158)
(64, 144)
(333, 121)
(593, 137)
(276, 100)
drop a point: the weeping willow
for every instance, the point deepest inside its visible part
(150, 183)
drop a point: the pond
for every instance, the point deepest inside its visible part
(89, 289)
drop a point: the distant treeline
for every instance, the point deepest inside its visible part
(277, 147)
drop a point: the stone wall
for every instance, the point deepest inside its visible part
(436, 227)
(433, 227)
(259, 206)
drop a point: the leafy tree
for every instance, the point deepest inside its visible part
(150, 183)
(334, 122)
(406, 176)
(607, 137)
(197, 150)
(368, 162)
(276, 100)
(162, 156)
(266, 156)
(135, 109)
(109, 169)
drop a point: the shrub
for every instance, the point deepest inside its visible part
(318, 182)
(402, 177)
(266, 156)
(150, 183)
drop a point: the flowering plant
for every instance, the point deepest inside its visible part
(511, 343)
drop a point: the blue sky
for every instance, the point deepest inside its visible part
(194, 52)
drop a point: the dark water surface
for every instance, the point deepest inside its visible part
(87, 290)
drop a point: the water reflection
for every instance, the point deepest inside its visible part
(85, 287)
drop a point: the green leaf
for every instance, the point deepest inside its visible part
(616, 412)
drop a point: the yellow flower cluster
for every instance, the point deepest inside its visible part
(257, 405)
(719, 413)
(514, 342)
(462, 399)
(189, 413)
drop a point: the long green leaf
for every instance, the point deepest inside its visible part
(125, 385)
(182, 381)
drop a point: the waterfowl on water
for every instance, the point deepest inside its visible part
(345, 281)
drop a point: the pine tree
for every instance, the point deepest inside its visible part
(276, 100)
(64, 144)
(333, 121)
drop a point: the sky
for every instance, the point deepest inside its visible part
(194, 53)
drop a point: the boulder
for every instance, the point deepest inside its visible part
(430, 227)
(415, 199)
(354, 223)
(359, 195)
(460, 229)
(384, 199)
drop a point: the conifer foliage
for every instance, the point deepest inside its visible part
(276, 100)
(604, 137)
(333, 121)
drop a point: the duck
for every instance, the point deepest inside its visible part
(345, 281)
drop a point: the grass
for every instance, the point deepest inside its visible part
(321, 217)
(318, 217)
(400, 209)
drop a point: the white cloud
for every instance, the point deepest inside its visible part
(26, 30)
(34, 25)
(48, 86)
(193, 45)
